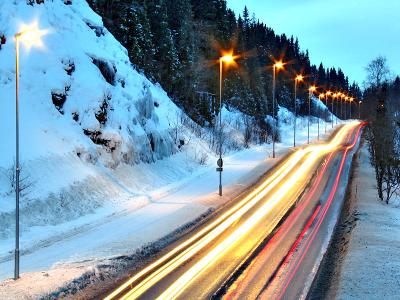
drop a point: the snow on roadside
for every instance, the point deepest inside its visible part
(122, 234)
(95, 175)
(371, 268)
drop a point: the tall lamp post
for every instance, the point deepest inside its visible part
(276, 67)
(29, 35)
(298, 78)
(351, 99)
(341, 107)
(327, 94)
(321, 97)
(311, 91)
(359, 109)
(337, 109)
(227, 59)
(334, 96)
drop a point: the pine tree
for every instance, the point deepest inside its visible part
(146, 42)
(134, 33)
(165, 51)
(177, 42)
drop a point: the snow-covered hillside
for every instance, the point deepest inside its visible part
(95, 134)
(83, 107)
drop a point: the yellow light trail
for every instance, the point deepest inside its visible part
(176, 257)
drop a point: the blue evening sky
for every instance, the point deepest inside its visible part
(340, 33)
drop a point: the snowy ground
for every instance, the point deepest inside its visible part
(106, 167)
(371, 268)
(55, 255)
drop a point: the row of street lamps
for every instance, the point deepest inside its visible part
(228, 58)
(30, 35)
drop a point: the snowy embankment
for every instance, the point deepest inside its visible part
(84, 111)
(108, 161)
(371, 267)
(86, 243)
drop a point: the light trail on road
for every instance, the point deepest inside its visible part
(187, 262)
(311, 236)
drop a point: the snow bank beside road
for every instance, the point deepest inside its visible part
(371, 268)
(127, 230)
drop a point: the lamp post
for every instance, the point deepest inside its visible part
(351, 99)
(29, 35)
(359, 109)
(321, 97)
(277, 66)
(17, 167)
(334, 96)
(337, 111)
(227, 59)
(298, 78)
(311, 91)
(327, 94)
(345, 106)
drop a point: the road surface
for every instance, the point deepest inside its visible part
(265, 227)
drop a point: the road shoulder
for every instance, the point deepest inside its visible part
(363, 256)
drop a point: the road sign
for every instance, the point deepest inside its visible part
(220, 162)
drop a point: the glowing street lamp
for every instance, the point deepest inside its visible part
(311, 91)
(346, 99)
(321, 98)
(297, 79)
(351, 99)
(335, 96)
(228, 58)
(30, 36)
(327, 94)
(359, 109)
(276, 67)
(341, 105)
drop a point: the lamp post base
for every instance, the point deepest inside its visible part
(16, 270)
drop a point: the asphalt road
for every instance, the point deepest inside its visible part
(251, 248)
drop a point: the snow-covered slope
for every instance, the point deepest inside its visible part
(84, 111)
(89, 70)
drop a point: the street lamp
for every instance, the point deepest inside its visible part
(335, 96)
(321, 97)
(227, 59)
(359, 109)
(341, 106)
(351, 99)
(29, 35)
(311, 91)
(339, 103)
(297, 79)
(327, 94)
(346, 99)
(277, 66)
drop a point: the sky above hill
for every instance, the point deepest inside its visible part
(341, 33)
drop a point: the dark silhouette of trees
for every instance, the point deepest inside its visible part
(381, 108)
(177, 43)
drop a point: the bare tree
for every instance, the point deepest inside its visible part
(248, 130)
(391, 182)
(378, 72)
(25, 182)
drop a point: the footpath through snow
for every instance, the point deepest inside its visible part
(371, 268)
